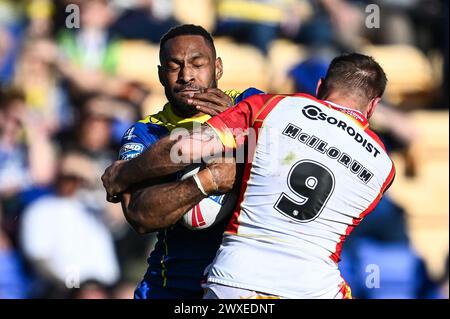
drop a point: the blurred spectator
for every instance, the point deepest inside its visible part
(344, 20)
(13, 281)
(124, 290)
(36, 76)
(90, 289)
(304, 76)
(115, 115)
(92, 137)
(87, 57)
(142, 20)
(257, 22)
(39, 13)
(92, 47)
(64, 241)
(413, 22)
(11, 34)
(397, 24)
(27, 157)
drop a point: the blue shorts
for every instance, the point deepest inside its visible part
(145, 291)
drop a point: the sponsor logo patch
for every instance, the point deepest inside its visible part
(130, 150)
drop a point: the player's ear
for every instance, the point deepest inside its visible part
(319, 84)
(161, 76)
(219, 68)
(372, 106)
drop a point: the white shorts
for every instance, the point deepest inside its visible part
(218, 291)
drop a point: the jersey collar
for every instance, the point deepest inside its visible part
(354, 114)
(170, 120)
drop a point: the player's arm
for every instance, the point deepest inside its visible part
(158, 202)
(154, 207)
(165, 157)
(170, 154)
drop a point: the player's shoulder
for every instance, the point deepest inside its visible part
(238, 96)
(261, 98)
(144, 130)
(309, 98)
(376, 138)
(140, 136)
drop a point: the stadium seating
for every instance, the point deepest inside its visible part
(408, 70)
(138, 61)
(283, 55)
(196, 12)
(380, 270)
(425, 197)
(244, 66)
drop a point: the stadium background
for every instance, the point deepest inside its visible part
(68, 94)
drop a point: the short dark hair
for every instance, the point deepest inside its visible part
(354, 73)
(9, 95)
(187, 29)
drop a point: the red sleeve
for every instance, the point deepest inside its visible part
(231, 126)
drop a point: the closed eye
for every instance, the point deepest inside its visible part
(172, 66)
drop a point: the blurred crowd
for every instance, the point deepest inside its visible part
(65, 102)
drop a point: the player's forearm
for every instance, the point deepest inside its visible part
(161, 206)
(169, 155)
(154, 162)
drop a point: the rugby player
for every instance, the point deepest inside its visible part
(189, 73)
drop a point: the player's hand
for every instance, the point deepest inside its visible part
(114, 186)
(211, 101)
(224, 175)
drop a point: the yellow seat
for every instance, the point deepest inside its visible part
(138, 61)
(244, 66)
(408, 70)
(283, 55)
(200, 12)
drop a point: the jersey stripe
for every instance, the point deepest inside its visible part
(223, 132)
(387, 183)
(345, 291)
(267, 107)
(233, 225)
(375, 137)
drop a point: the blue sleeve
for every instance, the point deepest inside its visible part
(247, 93)
(138, 138)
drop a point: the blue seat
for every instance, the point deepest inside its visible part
(386, 270)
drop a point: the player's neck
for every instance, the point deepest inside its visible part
(347, 102)
(184, 113)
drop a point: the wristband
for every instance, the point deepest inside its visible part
(199, 184)
(216, 188)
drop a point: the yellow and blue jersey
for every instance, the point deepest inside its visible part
(180, 256)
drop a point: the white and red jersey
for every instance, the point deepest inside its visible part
(314, 172)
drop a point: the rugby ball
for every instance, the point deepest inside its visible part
(209, 211)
